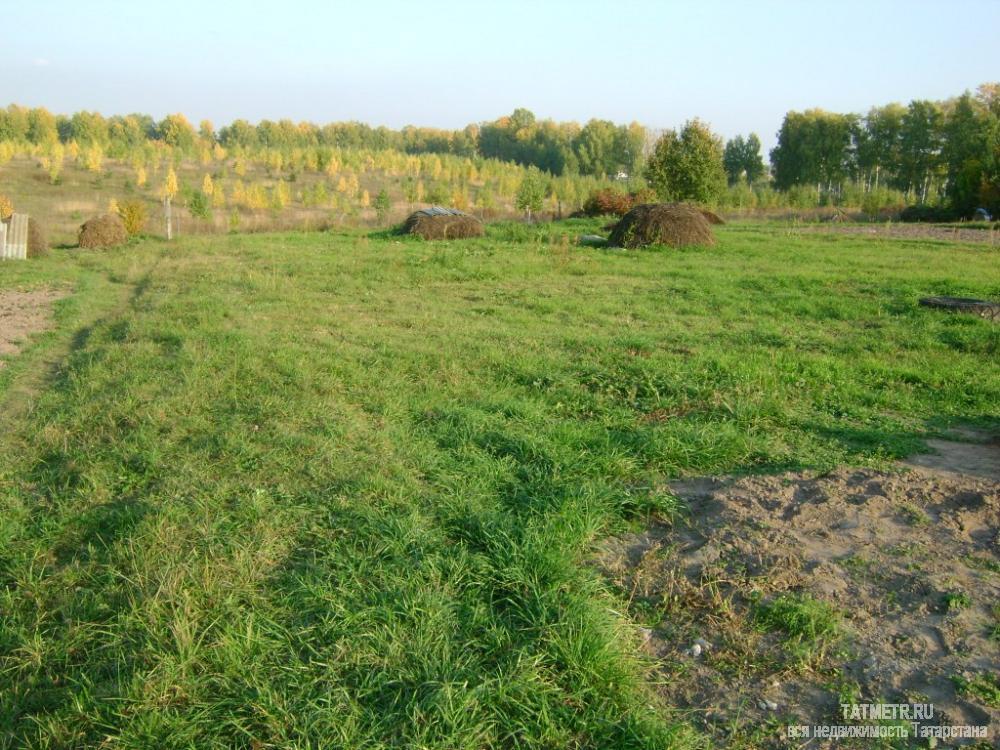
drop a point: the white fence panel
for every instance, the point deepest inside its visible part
(17, 237)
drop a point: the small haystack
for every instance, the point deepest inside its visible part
(38, 245)
(103, 231)
(436, 223)
(673, 224)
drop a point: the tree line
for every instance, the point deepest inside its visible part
(934, 152)
(942, 153)
(599, 147)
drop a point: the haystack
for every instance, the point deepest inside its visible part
(672, 224)
(436, 223)
(38, 245)
(710, 216)
(103, 231)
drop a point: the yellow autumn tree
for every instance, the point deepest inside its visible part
(169, 189)
(366, 200)
(218, 196)
(140, 176)
(256, 197)
(239, 193)
(281, 196)
(93, 158)
(207, 186)
(56, 155)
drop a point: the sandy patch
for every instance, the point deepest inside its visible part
(910, 560)
(23, 314)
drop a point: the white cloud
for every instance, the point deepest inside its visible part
(40, 62)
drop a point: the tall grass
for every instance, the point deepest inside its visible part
(339, 491)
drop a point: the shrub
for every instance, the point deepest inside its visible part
(133, 215)
(687, 166)
(382, 205)
(6, 208)
(609, 201)
(923, 212)
(531, 193)
(102, 232)
(882, 203)
(199, 205)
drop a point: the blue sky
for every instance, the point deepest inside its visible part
(738, 65)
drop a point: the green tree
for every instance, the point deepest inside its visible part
(920, 148)
(965, 152)
(814, 148)
(42, 126)
(753, 160)
(742, 159)
(878, 146)
(87, 128)
(382, 205)
(177, 131)
(531, 193)
(688, 165)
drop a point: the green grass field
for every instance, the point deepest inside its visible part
(330, 490)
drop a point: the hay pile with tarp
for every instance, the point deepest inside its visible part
(437, 223)
(673, 224)
(103, 231)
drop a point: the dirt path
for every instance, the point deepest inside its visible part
(910, 560)
(23, 314)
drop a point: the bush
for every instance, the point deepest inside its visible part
(923, 212)
(6, 208)
(687, 166)
(133, 215)
(382, 205)
(103, 231)
(201, 207)
(882, 203)
(609, 201)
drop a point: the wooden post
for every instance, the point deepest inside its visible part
(17, 237)
(3, 241)
(167, 215)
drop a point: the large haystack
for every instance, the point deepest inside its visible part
(672, 224)
(103, 231)
(438, 223)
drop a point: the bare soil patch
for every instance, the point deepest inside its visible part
(23, 313)
(915, 231)
(909, 561)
